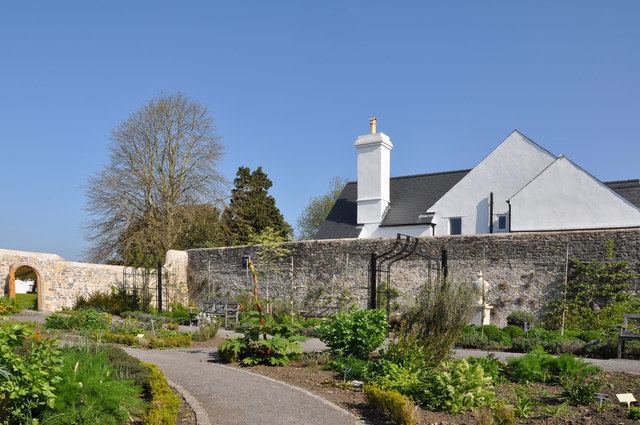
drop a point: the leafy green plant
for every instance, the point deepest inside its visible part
(556, 410)
(455, 386)
(524, 404)
(91, 393)
(8, 306)
(83, 319)
(399, 407)
(491, 365)
(165, 405)
(264, 341)
(358, 368)
(634, 413)
(32, 366)
(580, 390)
(503, 413)
(538, 366)
(355, 333)
(591, 289)
(513, 331)
(405, 350)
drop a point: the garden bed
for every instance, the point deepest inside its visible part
(545, 398)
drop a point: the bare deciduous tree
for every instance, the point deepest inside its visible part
(162, 159)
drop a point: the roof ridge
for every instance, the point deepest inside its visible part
(408, 176)
(622, 181)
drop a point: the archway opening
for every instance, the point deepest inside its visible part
(27, 287)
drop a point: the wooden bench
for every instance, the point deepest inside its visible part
(626, 333)
(318, 311)
(222, 308)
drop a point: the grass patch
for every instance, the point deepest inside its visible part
(91, 393)
(27, 301)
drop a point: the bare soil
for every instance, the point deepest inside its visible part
(186, 415)
(546, 399)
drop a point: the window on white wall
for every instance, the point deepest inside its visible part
(455, 226)
(502, 222)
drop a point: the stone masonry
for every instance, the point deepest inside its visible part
(61, 282)
(524, 269)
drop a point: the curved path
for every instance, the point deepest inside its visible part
(231, 396)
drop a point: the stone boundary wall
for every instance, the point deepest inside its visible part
(523, 269)
(62, 282)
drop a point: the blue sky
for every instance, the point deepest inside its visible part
(291, 84)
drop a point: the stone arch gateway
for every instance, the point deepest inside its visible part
(12, 281)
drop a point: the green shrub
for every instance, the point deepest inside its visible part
(491, 365)
(170, 341)
(91, 393)
(178, 312)
(538, 366)
(230, 349)
(520, 317)
(355, 333)
(455, 386)
(115, 302)
(476, 340)
(580, 390)
(165, 405)
(359, 369)
(405, 350)
(439, 317)
(503, 414)
(8, 306)
(495, 334)
(634, 413)
(513, 331)
(78, 320)
(32, 366)
(588, 336)
(399, 407)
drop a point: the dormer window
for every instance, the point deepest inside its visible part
(502, 222)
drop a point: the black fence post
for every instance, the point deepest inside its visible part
(373, 281)
(445, 266)
(160, 286)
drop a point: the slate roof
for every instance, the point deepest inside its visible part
(410, 197)
(628, 189)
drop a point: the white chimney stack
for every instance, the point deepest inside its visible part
(374, 172)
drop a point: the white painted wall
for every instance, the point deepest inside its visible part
(24, 286)
(564, 196)
(374, 173)
(515, 162)
(373, 231)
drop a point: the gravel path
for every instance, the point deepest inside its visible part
(232, 397)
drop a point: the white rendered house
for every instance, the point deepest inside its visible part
(517, 187)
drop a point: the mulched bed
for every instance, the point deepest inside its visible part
(310, 376)
(186, 415)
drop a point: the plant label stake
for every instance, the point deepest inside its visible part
(601, 397)
(626, 398)
(345, 373)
